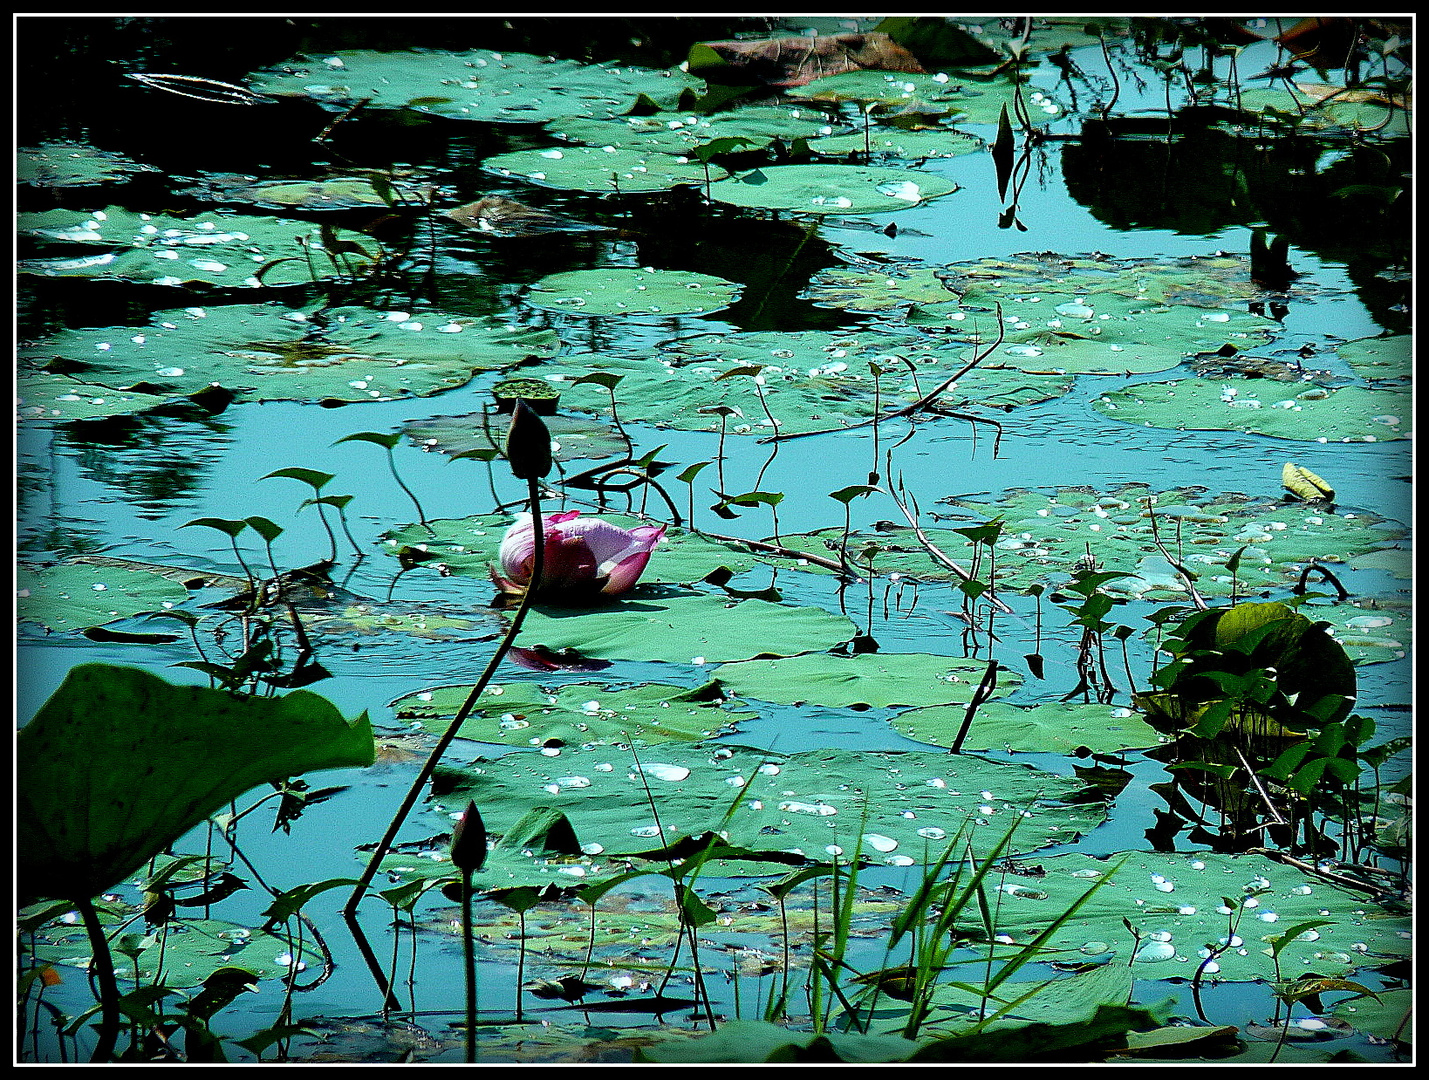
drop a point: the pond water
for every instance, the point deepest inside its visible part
(1178, 214)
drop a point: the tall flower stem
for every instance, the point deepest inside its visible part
(384, 846)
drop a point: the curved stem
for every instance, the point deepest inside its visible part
(102, 964)
(349, 911)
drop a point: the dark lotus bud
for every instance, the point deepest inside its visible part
(469, 841)
(528, 443)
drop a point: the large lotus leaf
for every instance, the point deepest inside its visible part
(469, 546)
(345, 193)
(1109, 334)
(268, 352)
(74, 596)
(656, 622)
(1379, 357)
(830, 189)
(73, 164)
(575, 714)
(47, 396)
(600, 169)
(1315, 414)
(118, 764)
(573, 438)
(1056, 727)
(864, 680)
(228, 250)
(906, 806)
(680, 133)
(474, 85)
(906, 145)
(625, 291)
(1175, 903)
(1047, 531)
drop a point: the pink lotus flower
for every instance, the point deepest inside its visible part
(586, 558)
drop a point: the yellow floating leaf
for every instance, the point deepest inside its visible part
(1305, 485)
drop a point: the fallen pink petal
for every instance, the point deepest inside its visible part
(586, 558)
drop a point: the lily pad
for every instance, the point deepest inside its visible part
(576, 714)
(907, 807)
(1047, 531)
(1348, 414)
(75, 596)
(973, 102)
(231, 251)
(600, 169)
(831, 189)
(1379, 357)
(45, 396)
(73, 164)
(865, 680)
(345, 193)
(680, 133)
(1175, 904)
(268, 353)
(657, 622)
(1057, 727)
(633, 292)
(884, 142)
(475, 85)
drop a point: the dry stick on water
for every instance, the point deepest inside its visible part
(938, 555)
(528, 450)
(1186, 575)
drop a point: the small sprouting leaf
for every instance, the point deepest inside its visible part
(853, 491)
(224, 525)
(268, 530)
(389, 440)
(314, 479)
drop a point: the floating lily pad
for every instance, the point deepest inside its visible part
(581, 714)
(1371, 633)
(1057, 727)
(680, 133)
(73, 164)
(1379, 357)
(474, 85)
(620, 291)
(973, 102)
(1047, 531)
(45, 396)
(1175, 903)
(346, 193)
(830, 189)
(865, 680)
(228, 250)
(880, 290)
(272, 353)
(470, 546)
(600, 169)
(906, 145)
(661, 623)
(907, 807)
(76, 596)
(1347, 414)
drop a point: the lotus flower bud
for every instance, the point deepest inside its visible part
(528, 443)
(469, 841)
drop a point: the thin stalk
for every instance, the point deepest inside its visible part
(102, 965)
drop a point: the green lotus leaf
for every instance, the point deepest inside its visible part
(680, 133)
(633, 292)
(470, 546)
(973, 102)
(905, 145)
(341, 194)
(1047, 530)
(597, 169)
(1174, 902)
(118, 764)
(73, 164)
(869, 679)
(474, 85)
(906, 807)
(576, 714)
(1379, 357)
(45, 396)
(656, 622)
(1057, 727)
(1350, 414)
(228, 250)
(830, 189)
(1344, 111)
(751, 1042)
(74, 596)
(267, 352)
(884, 290)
